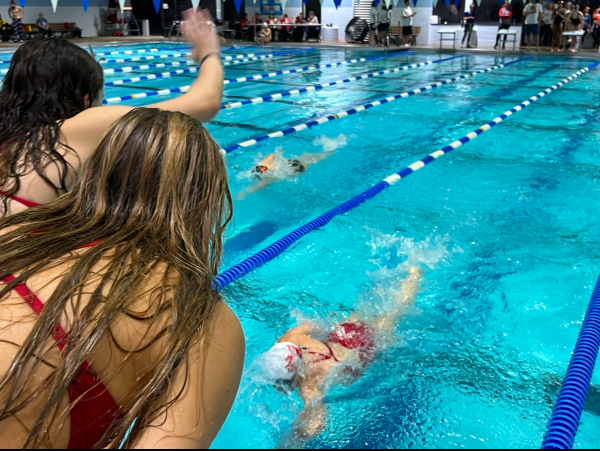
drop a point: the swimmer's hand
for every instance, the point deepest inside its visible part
(199, 31)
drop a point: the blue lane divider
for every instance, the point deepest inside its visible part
(564, 423)
(176, 55)
(135, 52)
(277, 248)
(316, 66)
(320, 86)
(192, 63)
(166, 49)
(184, 89)
(238, 80)
(360, 109)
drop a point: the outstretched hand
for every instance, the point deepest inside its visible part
(199, 31)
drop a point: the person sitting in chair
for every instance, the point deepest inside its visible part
(313, 32)
(43, 25)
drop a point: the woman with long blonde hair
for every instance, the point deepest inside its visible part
(109, 320)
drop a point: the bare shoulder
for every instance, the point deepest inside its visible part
(84, 131)
(210, 384)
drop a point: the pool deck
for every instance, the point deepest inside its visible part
(432, 48)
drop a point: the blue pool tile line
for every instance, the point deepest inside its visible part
(184, 89)
(320, 86)
(360, 109)
(277, 248)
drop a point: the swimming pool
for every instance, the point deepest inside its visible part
(507, 228)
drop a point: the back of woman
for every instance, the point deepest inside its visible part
(52, 118)
(109, 319)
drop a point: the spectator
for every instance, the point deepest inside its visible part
(596, 28)
(407, 22)
(44, 26)
(4, 29)
(17, 14)
(534, 14)
(264, 36)
(587, 23)
(469, 24)
(313, 32)
(546, 31)
(244, 26)
(558, 20)
(505, 22)
(255, 29)
(373, 18)
(574, 23)
(384, 25)
(285, 31)
(298, 33)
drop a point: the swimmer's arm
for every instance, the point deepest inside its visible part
(215, 371)
(255, 188)
(304, 329)
(311, 420)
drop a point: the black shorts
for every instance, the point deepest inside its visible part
(407, 31)
(383, 26)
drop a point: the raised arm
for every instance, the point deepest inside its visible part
(202, 101)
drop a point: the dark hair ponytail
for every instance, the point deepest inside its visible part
(47, 83)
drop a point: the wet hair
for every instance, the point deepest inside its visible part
(154, 197)
(47, 83)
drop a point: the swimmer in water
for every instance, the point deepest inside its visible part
(300, 361)
(274, 168)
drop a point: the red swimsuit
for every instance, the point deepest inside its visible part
(27, 203)
(351, 336)
(94, 409)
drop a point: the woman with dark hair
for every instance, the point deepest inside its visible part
(109, 316)
(51, 118)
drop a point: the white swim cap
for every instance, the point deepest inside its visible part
(281, 362)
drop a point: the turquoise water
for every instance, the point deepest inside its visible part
(507, 229)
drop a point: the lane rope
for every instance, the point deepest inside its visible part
(316, 66)
(192, 63)
(320, 86)
(184, 89)
(250, 78)
(277, 248)
(175, 55)
(168, 49)
(360, 109)
(564, 423)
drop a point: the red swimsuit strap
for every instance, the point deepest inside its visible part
(325, 357)
(25, 202)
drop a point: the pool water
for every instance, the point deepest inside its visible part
(506, 228)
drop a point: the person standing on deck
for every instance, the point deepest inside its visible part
(505, 22)
(407, 23)
(534, 14)
(17, 14)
